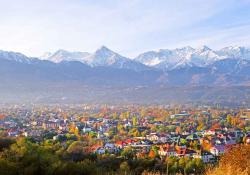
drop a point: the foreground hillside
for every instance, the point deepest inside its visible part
(234, 162)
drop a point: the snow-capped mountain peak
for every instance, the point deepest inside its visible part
(15, 56)
(63, 55)
(231, 58)
(202, 56)
(202, 49)
(104, 57)
(46, 56)
(236, 52)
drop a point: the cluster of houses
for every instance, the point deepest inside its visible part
(172, 146)
(169, 144)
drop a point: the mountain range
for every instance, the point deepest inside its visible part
(184, 66)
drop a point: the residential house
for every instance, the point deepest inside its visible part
(180, 115)
(158, 137)
(37, 123)
(107, 119)
(226, 141)
(185, 152)
(211, 132)
(206, 156)
(140, 148)
(103, 128)
(218, 150)
(97, 149)
(13, 132)
(120, 144)
(167, 151)
(33, 133)
(132, 142)
(111, 148)
(101, 137)
(50, 124)
(193, 137)
(63, 127)
(86, 129)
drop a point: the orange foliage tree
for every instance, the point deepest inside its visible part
(151, 154)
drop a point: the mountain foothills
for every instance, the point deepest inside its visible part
(184, 66)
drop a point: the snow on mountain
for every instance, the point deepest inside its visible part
(189, 57)
(108, 58)
(229, 59)
(105, 57)
(166, 59)
(236, 52)
(204, 56)
(45, 56)
(63, 55)
(15, 56)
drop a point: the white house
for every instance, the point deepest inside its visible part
(217, 150)
(167, 151)
(98, 149)
(206, 156)
(158, 137)
(86, 129)
(211, 132)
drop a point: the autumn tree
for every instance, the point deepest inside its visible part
(151, 154)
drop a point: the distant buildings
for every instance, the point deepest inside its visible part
(180, 115)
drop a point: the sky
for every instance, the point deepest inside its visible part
(129, 27)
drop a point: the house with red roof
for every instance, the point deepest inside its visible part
(13, 132)
(98, 149)
(232, 135)
(248, 140)
(167, 151)
(185, 152)
(132, 142)
(121, 144)
(63, 127)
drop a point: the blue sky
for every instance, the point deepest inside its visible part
(128, 27)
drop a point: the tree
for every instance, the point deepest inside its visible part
(137, 133)
(5, 143)
(156, 149)
(124, 167)
(92, 134)
(217, 126)
(206, 146)
(134, 121)
(144, 133)
(151, 154)
(128, 152)
(228, 118)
